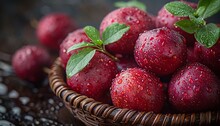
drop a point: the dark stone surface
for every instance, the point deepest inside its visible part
(23, 103)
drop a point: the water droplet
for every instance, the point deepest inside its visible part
(13, 94)
(3, 89)
(208, 89)
(24, 100)
(190, 80)
(2, 109)
(28, 117)
(149, 92)
(37, 122)
(160, 85)
(61, 104)
(16, 110)
(6, 123)
(119, 81)
(185, 95)
(51, 101)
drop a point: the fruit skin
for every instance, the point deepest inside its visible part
(195, 88)
(209, 56)
(191, 55)
(138, 20)
(137, 89)
(95, 79)
(28, 62)
(53, 28)
(73, 38)
(161, 51)
(166, 19)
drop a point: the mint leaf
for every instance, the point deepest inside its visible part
(136, 4)
(199, 21)
(207, 35)
(211, 8)
(179, 8)
(114, 32)
(93, 34)
(187, 25)
(200, 11)
(80, 45)
(78, 61)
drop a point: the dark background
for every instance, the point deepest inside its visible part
(18, 18)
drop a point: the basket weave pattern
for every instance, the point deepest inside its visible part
(94, 113)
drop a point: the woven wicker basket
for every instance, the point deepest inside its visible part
(93, 113)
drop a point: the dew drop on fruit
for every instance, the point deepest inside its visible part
(149, 92)
(119, 81)
(197, 89)
(190, 80)
(151, 38)
(112, 20)
(145, 61)
(160, 85)
(208, 89)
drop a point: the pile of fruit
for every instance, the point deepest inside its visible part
(135, 60)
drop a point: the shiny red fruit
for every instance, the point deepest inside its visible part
(166, 19)
(139, 90)
(195, 88)
(95, 79)
(53, 28)
(209, 56)
(73, 38)
(136, 19)
(161, 51)
(29, 62)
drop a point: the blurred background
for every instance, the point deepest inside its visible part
(19, 18)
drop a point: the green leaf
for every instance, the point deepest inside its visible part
(179, 8)
(199, 21)
(93, 34)
(136, 4)
(187, 25)
(200, 11)
(114, 32)
(210, 7)
(80, 45)
(79, 61)
(207, 35)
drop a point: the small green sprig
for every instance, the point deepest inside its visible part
(80, 60)
(132, 3)
(206, 34)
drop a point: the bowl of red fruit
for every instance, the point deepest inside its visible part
(142, 70)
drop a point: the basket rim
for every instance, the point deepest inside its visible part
(122, 115)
